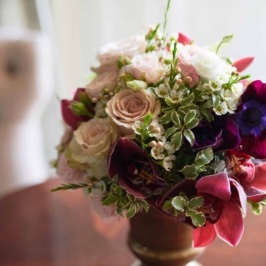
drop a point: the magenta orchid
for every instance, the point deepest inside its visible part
(226, 198)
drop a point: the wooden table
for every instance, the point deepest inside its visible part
(39, 228)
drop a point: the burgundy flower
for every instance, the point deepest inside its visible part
(69, 116)
(134, 169)
(223, 200)
(221, 134)
(252, 120)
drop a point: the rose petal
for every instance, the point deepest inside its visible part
(204, 235)
(230, 226)
(216, 185)
(243, 63)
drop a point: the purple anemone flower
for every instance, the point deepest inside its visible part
(252, 120)
(134, 169)
(221, 134)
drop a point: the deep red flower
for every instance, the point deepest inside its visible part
(135, 171)
(69, 116)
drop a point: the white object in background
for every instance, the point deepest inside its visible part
(26, 86)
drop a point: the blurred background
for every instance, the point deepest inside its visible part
(48, 46)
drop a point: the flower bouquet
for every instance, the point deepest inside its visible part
(170, 125)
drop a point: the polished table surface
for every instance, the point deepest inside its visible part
(60, 229)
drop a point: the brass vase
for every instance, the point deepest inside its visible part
(158, 240)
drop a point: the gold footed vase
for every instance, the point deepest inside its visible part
(158, 240)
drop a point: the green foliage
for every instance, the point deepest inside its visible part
(124, 201)
(123, 61)
(181, 205)
(226, 39)
(203, 158)
(165, 18)
(71, 186)
(257, 207)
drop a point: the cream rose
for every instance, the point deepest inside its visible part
(106, 80)
(207, 64)
(92, 140)
(109, 53)
(128, 106)
(145, 67)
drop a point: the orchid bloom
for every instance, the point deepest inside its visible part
(223, 199)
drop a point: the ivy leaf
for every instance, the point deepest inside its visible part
(181, 113)
(208, 104)
(190, 171)
(168, 101)
(204, 157)
(189, 135)
(167, 205)
(170, 131)
(195, 202)
(144, 205)
(166, 118)
(187, 100)
(193, 123)
(132, 210)
(179, 203)
(168, 109)
(198, 218)
(207, 115)
(176, 119)
(177, 140)
(216, 100)
(190, 116)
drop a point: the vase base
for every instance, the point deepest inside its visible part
(192, 263)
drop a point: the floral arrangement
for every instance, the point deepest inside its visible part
(168, 124)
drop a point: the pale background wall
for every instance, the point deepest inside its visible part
(79, 27)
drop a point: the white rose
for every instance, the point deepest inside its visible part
(145, 67)
(109, 53)
(208, 65)
(92, 140)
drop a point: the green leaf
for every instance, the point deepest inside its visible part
(190, 171)
(198, 218)
(176, 119)
(204, 157)
(216, 100)
(176, 140)
(207, 115)
(229, 60)
(131, 197)
(179, 203)
(208, 104)
(187, 100)
(195, 202)
(147, 119)
(170, 131)
(169, 102)
(132, 210)
(189, 135)
(71, 187)
(168, 109)
(192, 123)
(181, 113)
(226, 39)
(144, 204)
(152, 35)
(166, 118)
(190, 116)
(167, 205)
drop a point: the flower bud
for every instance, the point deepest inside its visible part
(153, 144)
(159, 144)
(188, 79)
(79, 108)
(137, 85)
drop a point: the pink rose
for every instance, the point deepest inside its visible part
(145, 67)
(128, 106)
(109, 53)
(184, 63)
(106, 80)
(68, 174)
